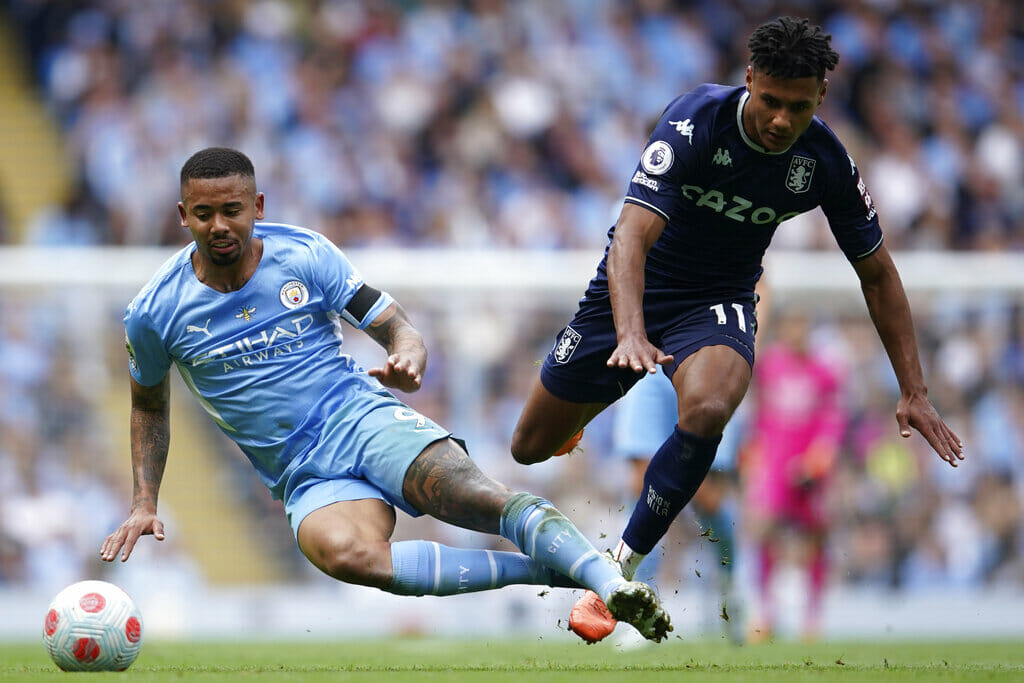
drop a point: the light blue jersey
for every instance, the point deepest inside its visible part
(266, 361)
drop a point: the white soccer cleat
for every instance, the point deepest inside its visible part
(636, 604)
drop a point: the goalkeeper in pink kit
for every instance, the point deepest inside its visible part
(799, 427)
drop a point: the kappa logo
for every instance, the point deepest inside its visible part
(684, 128)
(722, 157)
(567, 343)
(657, 158)
(798, 179)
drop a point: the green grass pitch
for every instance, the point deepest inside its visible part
(534, 661)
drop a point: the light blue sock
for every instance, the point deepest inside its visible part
(428, 568)
(546, 535)
(721, 527)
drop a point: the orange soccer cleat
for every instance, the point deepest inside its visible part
(590, 618)
(633, 602)
(569, 445)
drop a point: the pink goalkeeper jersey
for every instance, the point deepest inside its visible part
(798, 427)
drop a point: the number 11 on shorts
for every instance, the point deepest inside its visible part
(741, 320)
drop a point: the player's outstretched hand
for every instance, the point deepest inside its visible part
(400, 373)
(918, 412)
(640, 355)
(140, 523)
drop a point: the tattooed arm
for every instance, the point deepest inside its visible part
(407, 356)
(150, 438)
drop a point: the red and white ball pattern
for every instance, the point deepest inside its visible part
(93, 626)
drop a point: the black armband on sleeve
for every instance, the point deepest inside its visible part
(361, 302)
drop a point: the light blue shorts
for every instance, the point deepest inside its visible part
(644, 417)
(647, 414)
(364, 452)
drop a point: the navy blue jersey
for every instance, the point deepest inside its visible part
(723, 196)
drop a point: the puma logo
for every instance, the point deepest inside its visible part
(204, 329)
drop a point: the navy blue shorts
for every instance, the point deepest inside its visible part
(575, 369)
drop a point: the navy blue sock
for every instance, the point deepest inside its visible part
(673, 476)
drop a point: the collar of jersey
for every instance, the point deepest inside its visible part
(743, 133)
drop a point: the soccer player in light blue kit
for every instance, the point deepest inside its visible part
(251, 314)
(723, 168)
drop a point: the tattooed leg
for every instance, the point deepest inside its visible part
(445, 483)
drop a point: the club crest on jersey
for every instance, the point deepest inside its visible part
(798, 179)
(245, 313)
(567, 343)
(657, 158)
(294, 294)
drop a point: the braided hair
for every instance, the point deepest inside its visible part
(791, 47)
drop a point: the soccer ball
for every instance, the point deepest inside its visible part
(93, 626)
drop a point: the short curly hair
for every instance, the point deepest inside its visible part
(791, 47)
(217, 162)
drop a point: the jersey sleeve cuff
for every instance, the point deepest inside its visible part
(647, 205)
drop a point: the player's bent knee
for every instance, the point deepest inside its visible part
(359, 566)
(354, 561)
(525, 457)
(707, 417)
(525, 450)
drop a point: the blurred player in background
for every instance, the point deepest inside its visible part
(799, 424)
(724, 166)
(251, 313)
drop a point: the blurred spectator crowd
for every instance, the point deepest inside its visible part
(517, 124)
(480, 122)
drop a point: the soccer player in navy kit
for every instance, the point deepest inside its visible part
(250, 314)
(722, 168)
